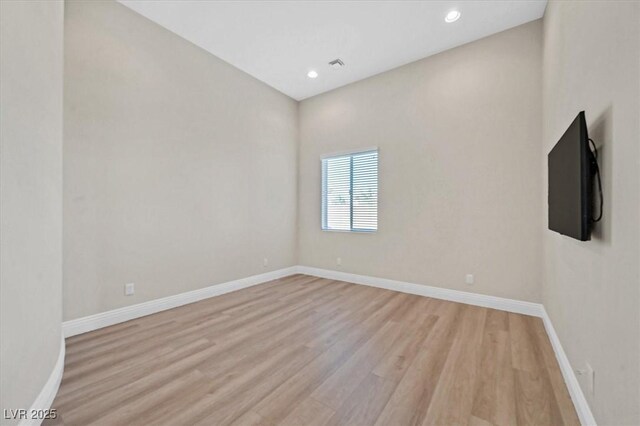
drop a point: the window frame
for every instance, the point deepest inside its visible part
(323, 182)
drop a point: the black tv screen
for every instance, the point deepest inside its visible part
(570, 174)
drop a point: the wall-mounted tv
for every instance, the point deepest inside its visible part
(572, 167)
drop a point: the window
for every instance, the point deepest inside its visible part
(350, 192)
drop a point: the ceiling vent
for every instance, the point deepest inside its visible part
(336, 64)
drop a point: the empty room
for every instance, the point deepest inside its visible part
(322, 212)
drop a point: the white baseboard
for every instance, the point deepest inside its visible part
(575, 391)
(510, 305)
(94, 322)
(49, 390)
(116, 316)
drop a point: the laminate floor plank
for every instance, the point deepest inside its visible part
(452, 400)
(536, 402)
(494, 401)
(365, 403)
(281, 401)
(346, 379)
(560, 390)
(309, 412)
(410, 401)
(303, 350)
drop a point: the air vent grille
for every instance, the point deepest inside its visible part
(336, 64)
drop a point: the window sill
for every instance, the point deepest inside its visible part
(354, 231)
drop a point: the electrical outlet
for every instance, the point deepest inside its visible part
(469, 279)
(587, 376)
(339, 261)
(265, 262)
(591, 380)
(129, 289)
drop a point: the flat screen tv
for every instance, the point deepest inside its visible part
(572, 166)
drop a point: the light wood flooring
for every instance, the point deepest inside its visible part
(309, 351)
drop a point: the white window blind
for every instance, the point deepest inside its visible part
(350, 192)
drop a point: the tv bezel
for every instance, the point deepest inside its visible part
(586, 181)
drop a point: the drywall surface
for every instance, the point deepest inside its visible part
(31, 61)
(592, 289)
(459, 168)
(179, 171)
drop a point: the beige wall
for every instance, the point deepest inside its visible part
(459, 173)
(30, 198)
(592, 289)
(179, 170)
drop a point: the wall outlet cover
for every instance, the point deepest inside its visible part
(587, 378)
(591, 379)
(129, 289)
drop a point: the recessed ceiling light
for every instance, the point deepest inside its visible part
(312, 74)
(452, 16)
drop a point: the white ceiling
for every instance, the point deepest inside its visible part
(278, 42)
